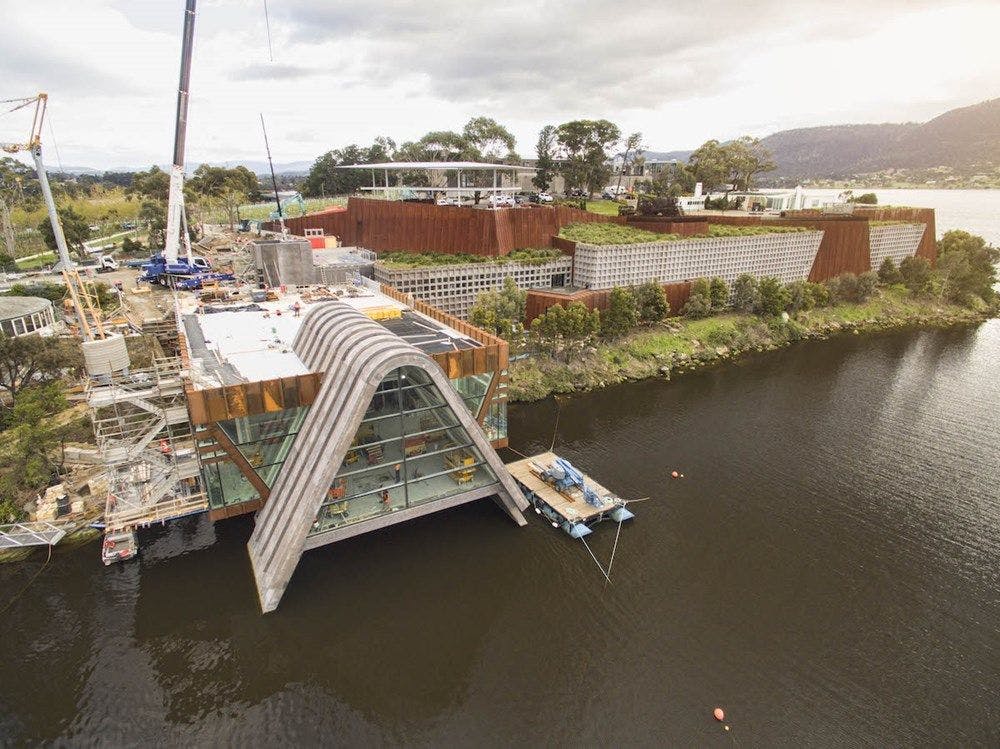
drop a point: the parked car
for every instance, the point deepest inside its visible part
(544, 197)
(501, 201)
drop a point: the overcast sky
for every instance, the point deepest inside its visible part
(346, 71)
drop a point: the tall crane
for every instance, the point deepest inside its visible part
(88, 312)
(176, 223)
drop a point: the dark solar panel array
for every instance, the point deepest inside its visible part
(427, 335)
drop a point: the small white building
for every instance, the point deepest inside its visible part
(22, 315)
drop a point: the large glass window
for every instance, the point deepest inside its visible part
(473, 389)
(410, 449)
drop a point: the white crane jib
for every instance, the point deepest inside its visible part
(176, 224)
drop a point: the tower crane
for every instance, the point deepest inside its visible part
(87, 310)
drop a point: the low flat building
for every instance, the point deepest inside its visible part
(336, 410)
(23, 315)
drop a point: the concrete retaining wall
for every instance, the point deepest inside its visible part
(787, 257)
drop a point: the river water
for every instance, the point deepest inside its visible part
(827, 571)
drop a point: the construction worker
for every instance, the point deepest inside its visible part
(296, 308)
(385, 499)
(397, 468)
(166, 451)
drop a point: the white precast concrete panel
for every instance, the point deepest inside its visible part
(785, 256)
(898, 241)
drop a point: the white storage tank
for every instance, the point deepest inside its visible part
(105, 357)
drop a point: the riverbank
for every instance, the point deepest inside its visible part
(682, 345)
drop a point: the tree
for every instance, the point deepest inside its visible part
(545, 151)
(500, 311)
(747, 158)
(967, 267)
(888, 273)
(633, 145)
(325, 178)
(868, 198)
(916, 274)
(154, 184)
(675, 180)
(745, 296)
(153, 214)
(490, 140)
(33, 439)
(699, 302)
(584, 145)
(229, 188)
(75, 228)
(719, 294)
(651, 302)
(622, 314)
(773, 297)
(33, 360)
(709, 164)
(562, 330)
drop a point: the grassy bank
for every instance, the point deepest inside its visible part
(680, 345)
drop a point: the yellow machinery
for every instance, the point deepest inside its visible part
(464, 462)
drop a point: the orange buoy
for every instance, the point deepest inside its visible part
(674, 474)
(719, 714)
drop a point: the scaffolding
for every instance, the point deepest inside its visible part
(143, 433)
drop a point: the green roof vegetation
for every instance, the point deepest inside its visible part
(609, 234)
(529, 256)
(727, 230)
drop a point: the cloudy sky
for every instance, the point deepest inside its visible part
(343, 71)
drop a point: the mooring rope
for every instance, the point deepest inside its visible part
(614, 548)
(28, 584)
(595, 560)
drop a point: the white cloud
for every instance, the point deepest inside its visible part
(344, 72)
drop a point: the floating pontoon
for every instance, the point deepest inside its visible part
(568, 498)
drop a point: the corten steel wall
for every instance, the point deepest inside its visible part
(384, 225)
(683, 226)
(928, 243)
(538, 301)
(844, 248)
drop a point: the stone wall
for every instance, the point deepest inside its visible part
(786, 256)
(454, 288)
(898, 241)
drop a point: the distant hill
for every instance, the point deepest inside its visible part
(963, 138)
(257, 167)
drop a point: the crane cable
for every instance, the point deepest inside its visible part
(267, 23)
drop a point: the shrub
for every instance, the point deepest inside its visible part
(500, 311)
(719, 293)
(651, 302)
(801, 295)
(699, 303)
(602, 233)
(820, 294)
(916, 274)
(621, 315)
(868, 198)
(888, 273)
(867, 283)
(132, 247)
(745, 293)
(847, 288)
(773, 297)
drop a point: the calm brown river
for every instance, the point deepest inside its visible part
(828, 572)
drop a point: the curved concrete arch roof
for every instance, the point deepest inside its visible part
(355, 353)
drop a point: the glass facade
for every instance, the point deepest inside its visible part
(410, 449)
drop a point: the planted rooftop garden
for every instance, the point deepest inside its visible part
(608, 234)
(528, 256)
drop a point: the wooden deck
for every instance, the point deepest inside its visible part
(571, 505)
